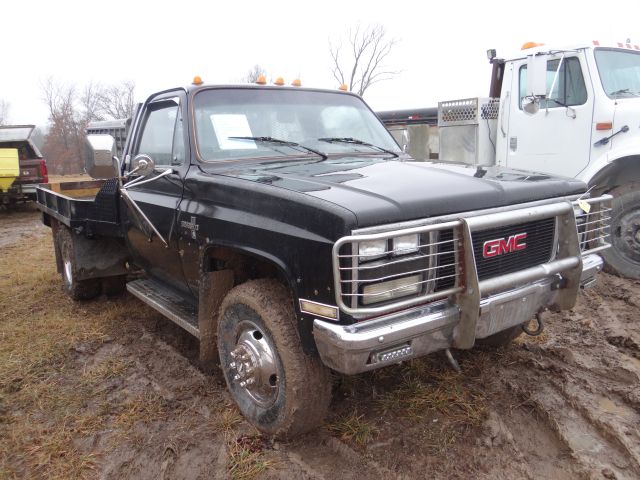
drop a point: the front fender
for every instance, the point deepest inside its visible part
(613, 169)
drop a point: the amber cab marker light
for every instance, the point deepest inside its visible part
(261, 80)
(279, 81)
(343, 87)
(604, 126)
(197, 80)
(296, 83)
(528, 45)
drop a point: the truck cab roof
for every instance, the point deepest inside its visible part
(545, 48)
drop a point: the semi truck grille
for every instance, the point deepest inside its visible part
(507, 249)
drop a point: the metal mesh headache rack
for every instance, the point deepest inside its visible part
(467, 111)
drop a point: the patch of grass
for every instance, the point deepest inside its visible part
(353, 427)
(44, 413)
(111, 368)
(228, 419)
(146, 408)
(246, 459)
(426, 389)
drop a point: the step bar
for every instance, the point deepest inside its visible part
(168, 302)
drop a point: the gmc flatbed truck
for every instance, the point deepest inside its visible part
(286, 230)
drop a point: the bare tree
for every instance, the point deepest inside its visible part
(91, 102)
(64, 143)
(362, 62)
(4, 112)
(117, 101)
(253, 74)
(71, 112)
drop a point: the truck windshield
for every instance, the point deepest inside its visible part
(619, 72)
(303, 117)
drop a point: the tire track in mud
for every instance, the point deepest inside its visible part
(583, 386)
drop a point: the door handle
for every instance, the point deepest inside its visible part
(502, 107)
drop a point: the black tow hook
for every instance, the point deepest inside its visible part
(539, 328)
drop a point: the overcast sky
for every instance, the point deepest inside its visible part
(441, 48)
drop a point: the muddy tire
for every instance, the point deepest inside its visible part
(278, 388)
(501, 339)
(114, 286)
(623, 258)
(76, 289)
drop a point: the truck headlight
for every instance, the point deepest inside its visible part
(406, 244)
(383, 291)
(372, 249)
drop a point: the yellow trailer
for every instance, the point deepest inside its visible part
(9, 167)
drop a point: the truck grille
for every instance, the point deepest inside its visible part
(539, 243)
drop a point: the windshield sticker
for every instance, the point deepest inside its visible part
(232, 125)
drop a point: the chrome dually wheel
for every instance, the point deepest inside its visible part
(279, 388)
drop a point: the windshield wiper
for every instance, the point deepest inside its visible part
(278, 141)
(355, 141)
(624, 90)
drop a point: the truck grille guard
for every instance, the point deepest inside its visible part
(445, 264)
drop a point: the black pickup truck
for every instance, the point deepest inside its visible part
(287, 231)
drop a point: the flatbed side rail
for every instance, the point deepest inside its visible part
(90, 206)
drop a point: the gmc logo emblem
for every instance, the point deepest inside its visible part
(499, 246)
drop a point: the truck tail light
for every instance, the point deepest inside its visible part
(43, 171)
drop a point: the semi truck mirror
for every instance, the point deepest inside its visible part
(99, 156)
(530, 105)
(143, 165)
(536, 76)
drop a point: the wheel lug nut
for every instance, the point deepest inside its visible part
(233, 354)
(232, 365)
(236, 377)
(243, 384)
(250, 381)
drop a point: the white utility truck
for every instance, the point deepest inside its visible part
(572, 111)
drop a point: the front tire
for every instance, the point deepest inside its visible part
(278, 388)
(76, 289)
(623, 258)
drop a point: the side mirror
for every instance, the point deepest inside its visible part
(531, 105)
(99, 156)
(536, 87)
(143, 165)
(537, 75)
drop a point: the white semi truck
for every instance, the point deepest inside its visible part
(572, 111)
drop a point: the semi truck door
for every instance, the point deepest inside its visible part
(163, 138)
(557, 139)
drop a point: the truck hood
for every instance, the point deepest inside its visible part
(379, 190)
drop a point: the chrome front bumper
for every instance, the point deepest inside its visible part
(415, 332)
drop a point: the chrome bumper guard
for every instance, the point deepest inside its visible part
(480, 309)
(416, 332)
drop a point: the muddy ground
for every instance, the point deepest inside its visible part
(110, 389)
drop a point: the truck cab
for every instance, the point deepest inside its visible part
(587, 128)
